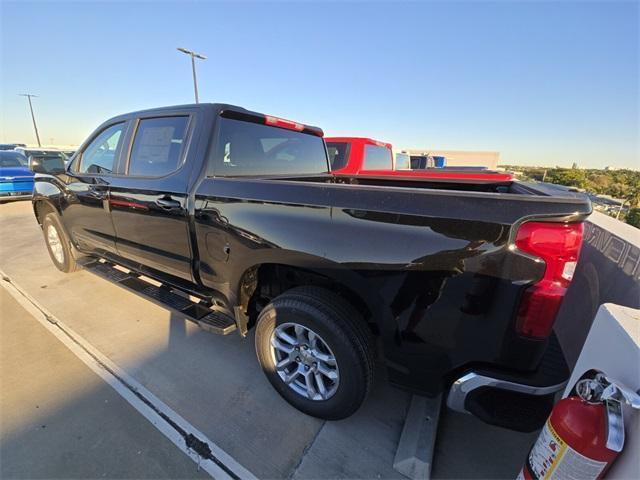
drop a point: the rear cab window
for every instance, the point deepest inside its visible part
(245, 148)
(377, 158)
(158, 146)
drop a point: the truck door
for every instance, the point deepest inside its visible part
(87, 216)
(149, 200)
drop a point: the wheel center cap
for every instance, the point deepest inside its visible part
(306, 356)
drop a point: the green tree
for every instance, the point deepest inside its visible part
(569, 177)
(599, 182)
(633, 195)
(633, 217)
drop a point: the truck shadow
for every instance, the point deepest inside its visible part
(216, 384)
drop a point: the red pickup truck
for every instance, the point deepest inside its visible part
(362, 156)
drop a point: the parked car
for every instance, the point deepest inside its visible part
(372, 158)
(454, 287)
(426, 160)
(68, 153)
(16, 180)
(43, 152)
(402, 161)
(351, 155)
(10, 146)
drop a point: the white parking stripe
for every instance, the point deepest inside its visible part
(211, 458)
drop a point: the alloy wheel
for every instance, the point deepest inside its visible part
(304, 361)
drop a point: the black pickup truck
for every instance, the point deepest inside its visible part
(232, 218)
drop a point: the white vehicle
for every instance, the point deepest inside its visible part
(401, 160)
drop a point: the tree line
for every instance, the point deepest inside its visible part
(620, 184)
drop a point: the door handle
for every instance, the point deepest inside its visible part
(168, 203)
(98, 194)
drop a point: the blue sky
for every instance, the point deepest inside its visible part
(542, 82)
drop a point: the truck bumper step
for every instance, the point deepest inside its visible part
(208, 318)
(513, 400)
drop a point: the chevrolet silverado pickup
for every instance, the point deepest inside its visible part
(232, 219)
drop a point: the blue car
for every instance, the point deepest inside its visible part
(16, 180)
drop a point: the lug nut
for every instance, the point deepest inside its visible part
(297, 359)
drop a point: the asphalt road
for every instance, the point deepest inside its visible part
(212, 382)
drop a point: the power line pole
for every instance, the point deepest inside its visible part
(193, 56)
(33, 117)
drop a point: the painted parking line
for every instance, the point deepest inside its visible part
(209, 456)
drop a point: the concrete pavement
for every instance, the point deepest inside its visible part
(216, 384)
(60, 420)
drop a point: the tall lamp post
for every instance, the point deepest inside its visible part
(193, 56)
(33, 117)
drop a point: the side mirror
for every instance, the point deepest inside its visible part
(51, 165)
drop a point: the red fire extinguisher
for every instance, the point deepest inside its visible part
(584, 433)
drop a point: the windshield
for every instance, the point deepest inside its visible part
(252, 149)
(338, 154)
(12, 159)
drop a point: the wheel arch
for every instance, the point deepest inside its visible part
(264, 281)
(43, 206)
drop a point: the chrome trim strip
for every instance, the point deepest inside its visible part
(472, 381)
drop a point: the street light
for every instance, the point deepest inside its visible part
(193, 56)
(28, 95)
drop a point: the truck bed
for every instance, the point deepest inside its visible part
(505, 201)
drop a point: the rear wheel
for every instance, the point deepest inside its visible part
(58, 244)
(316, 351)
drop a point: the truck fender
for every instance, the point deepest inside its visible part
(358, 287)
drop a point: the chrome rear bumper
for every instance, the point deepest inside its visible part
(470, 382)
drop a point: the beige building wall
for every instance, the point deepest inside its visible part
(463, 158)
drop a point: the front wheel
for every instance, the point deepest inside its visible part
(316, 351)
(58, 244)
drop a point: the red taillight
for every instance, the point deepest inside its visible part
(282, 123)
(558, 246)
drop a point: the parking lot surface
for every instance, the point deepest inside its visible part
(60, 420)
(211, 381)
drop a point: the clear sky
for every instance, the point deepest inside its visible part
(542, 82)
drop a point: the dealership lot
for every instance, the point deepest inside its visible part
(212, 382)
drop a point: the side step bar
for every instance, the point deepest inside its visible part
(211, 319)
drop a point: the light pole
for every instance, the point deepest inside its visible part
(620, 209)
(33, 117)
(193, 56)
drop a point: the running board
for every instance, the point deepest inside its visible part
(211, 319)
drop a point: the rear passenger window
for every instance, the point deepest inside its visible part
(377, 158)
(157, 146)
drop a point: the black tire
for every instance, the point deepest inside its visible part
(67, 263)
(343, 330)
